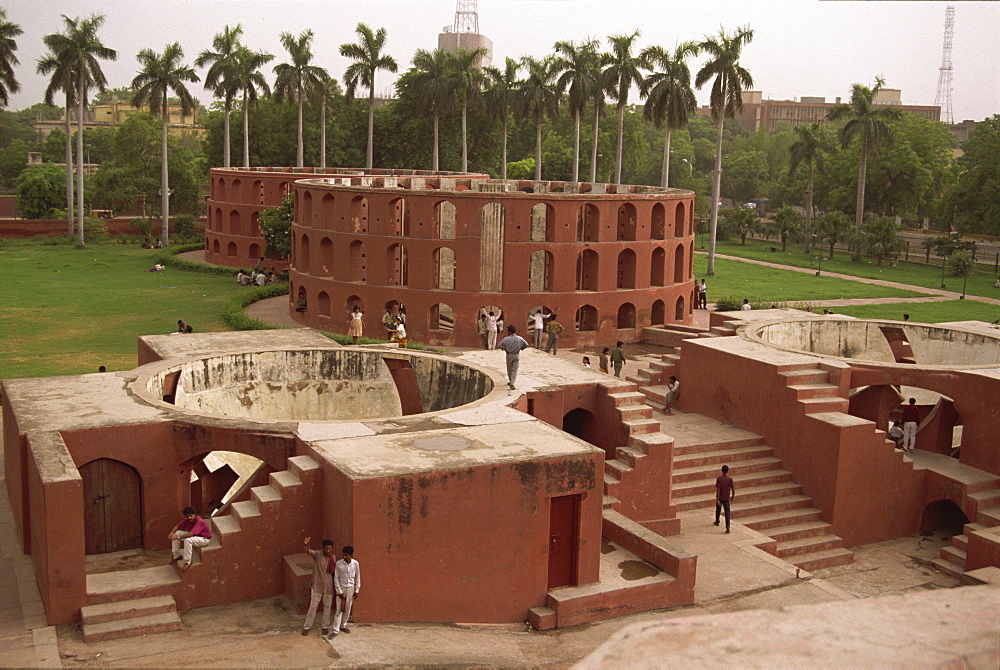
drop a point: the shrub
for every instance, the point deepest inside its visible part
(95, 230)
(237, 319)
(144, 226)
(185, 227)
(731, 303)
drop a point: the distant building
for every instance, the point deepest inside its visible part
(35, 158)
(761, 114)
(451, 42)
(115, 112)
(962, 130)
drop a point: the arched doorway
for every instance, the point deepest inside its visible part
(943, 514)
(579, 423)
(112, 506)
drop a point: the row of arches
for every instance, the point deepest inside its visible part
(235, 223)
(232, 249)
(249, 192)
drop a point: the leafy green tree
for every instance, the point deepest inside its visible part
(869, 123)
(740, 221)
(808, 150)
(368, 60)
(249, 81)
(222, 65)
(8, 59)
(13, 159)
(879, 238)
(39, 190)
(276, 227)
(522, 169)
(431, 83)
(297, 79)
(726, 101)
(971, 201)
(786, 224)
(669, 97)
(622, 72)
(500, 95)
(538, 96)
(832, 228)
(579, 79)
(159, 75)
(745, 172)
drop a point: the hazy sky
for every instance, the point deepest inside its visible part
(800, 47)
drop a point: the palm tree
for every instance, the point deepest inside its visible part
(879, 238)
(786, 223)
(369, 59)
(8, 45)
(75, 54)
(808, 149)
(219, 78)
(622, 72)
(868, 122)
(726, 101)
(249, 81)
(435, 88)
(159, 75)
(602, 91)
(579, 68)
(326, 89)
(833, 227)
(538, 95)
(468, 81)
(669, 98)
(501, 91)
(297, 79)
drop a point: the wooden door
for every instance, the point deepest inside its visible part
(112, 507)
(563, 539)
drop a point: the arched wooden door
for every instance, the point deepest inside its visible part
(112, 506)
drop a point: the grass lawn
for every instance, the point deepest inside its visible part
(926, 312)
(980, 283)
(67, 311)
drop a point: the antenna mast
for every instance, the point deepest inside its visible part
(466, 17)
(943, 97)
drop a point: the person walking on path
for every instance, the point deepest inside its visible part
(602, 360)
(356, 326)
(491, 331)
(703, 295)
(513, 345)
(618, 358)
(673, 394)
(911, 418)
(553, 328)
(725, 492)
(322, 585)
(191, 532)
(347, 584)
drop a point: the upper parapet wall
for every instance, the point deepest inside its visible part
(478, 184)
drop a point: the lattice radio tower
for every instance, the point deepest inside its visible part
(467, 17)
(943, 97)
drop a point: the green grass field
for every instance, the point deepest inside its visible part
(926, 312)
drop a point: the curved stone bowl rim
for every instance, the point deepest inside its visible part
(750, 332)
(138, 387)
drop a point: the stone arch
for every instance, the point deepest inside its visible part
(359, 214)
(254, 251)
(442, 317)
(303, 260)
(444, 268)
(679, 265)
(943, 514)
(352, 301)
(587, 267)
(658, 313)
(588, 223)
(540, 271)
(215, 247)
(444, 220)
(586, 318)
(679, 220)
(657, 266)
(306, 219)
(396, 265)
(231, 250)
(626, 269)
(492, 218)
(235, 191)
(357, 262)
(219, 222)
(323, 304)
(234, 222)
(626, 315)
(327, 211)
(657, 220)
(626, 222)
(581, 423)
(301, 299)
(543, 223)
(326, 257)
(679, 309)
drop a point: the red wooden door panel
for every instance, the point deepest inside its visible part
(112, 508)
(563, 539)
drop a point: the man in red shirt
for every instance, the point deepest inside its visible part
(191, 532)
(725, 492)
(911, 418)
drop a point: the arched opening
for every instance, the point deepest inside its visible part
(306, 215)
(255, 224)
(326, 257)
(359, 214)
(493, 218)
(657, 222)
(586, 318)
(301, 300)
(257, 192)
(680, 220)
(444, 220)
(542, 223)
(580, 423)
(236, 191)
(302, 255)
(112, 517)
(444, 269)
(626, 315)
(626, 222)
(587, 265)
(234, 222)
(943, 515)
(540, 270)
(231, 250)
(442, 317)
(254, 252)
(219, 221)
(658, 313)
(357, 262)
(220, 478)
(679, 309)
(323, 304)
(352, 301)
(327, 211)
(626, 269)
(400, 223)
(657, 267)
(588, 221)
(679, 265)
(396, 265)
(215, 247)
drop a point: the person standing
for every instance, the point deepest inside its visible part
(725, 492)
(356, 326)
(347, 584)
(618, 358)
(513, 345)
(491, 331)
(911, 418)
(553, 328)
(703, 295)
(602, 360)
(191, 532)
(481, 326)
(322, 585)
(538, 320)
(896, 433)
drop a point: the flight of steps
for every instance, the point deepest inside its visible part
(767, 499)
(130, 603)
(953, 557)
(641, 430)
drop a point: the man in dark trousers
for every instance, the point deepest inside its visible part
(911, 419)
(725, 492)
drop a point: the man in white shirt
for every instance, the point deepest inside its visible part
(347, 584)
(538, 319)
(746, 305)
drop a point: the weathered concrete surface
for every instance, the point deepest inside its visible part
(922, 630)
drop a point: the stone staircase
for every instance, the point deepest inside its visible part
(767, 499)
(986, 502)
(130, 603)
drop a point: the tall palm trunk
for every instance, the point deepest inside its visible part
(435, 161)
(621, 136)
(665, 178)
(538, 147)
(225, 140)
(465, 136)
(322, 132)
(576, 145)
(503, 150)
(79, 158)
(859, 216)
(713, 221)
(809, 209)
(593, 150)
(164, 181)
(69, 169)
(246, 132)
(371, 125)
(299, 154)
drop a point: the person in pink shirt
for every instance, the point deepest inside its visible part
(191, 532)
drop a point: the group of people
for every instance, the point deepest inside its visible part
(904, 432)
(394, 322)
(259, 276)
(490, 327)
